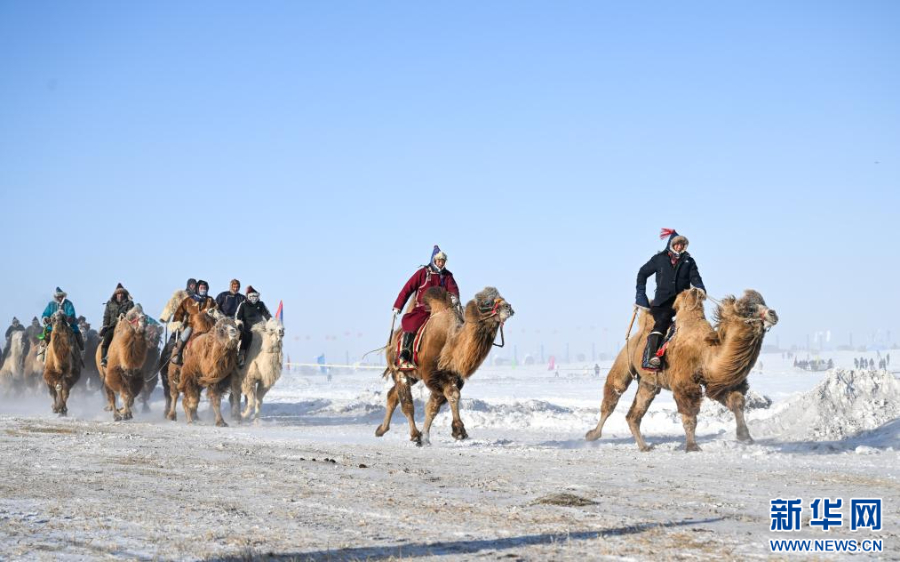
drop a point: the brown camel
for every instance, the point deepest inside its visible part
(451, 350)
(150, 371)
(62, 365)
(210, 360)
(698, 358)
(125, 360)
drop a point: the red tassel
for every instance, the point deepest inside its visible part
(666, 232)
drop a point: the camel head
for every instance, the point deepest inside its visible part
(226, 332)
(491, 306)
(689, 302)
(750, 308)
(153, 333)
(276, 328)
(134, 319)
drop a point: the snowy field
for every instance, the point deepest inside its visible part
(312, 482)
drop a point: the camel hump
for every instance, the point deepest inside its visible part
(437, 299)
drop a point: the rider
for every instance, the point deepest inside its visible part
(675, 272)
(60, 302)
(14, 327)
(228, 301)
(431, 275)
(189, 312)
(119, 303)
(249, 313)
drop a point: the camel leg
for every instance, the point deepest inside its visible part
(171, 401)
(190, 400)
(63, 392)
(52, 387)
(734, 401)
(215, 400)
(451, 393)
(261, 391)
(234, 398)
(127, 403)
(111, 403)
(617, 382)
(409, 409)
(688, 401)
(392, 400)
(642, 400)
(251, 400)
(432, 408)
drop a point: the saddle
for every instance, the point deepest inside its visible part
(417, 342)
(661, 352)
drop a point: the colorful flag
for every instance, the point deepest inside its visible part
(280, 312)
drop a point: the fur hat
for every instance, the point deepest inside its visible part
(190, 282)
(120, 289)
(59, 293)
(250, 289)
(15, 319)
(674, 238)
(437, 254)
(35, 319)
(202, 282)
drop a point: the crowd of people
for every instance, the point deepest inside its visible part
(185, 321)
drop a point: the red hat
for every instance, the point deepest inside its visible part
(250, 289)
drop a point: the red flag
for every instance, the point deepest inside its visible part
(280, 312)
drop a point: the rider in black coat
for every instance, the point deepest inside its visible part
(675, 271)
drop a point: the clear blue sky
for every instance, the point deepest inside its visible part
(319, 150)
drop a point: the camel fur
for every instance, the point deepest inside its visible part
(210, 361)
(123, 374)
(12, 372)
(62, 364)
(33, 377)
(451, 350)
(261, 370)
(700, 360)
(150, 371)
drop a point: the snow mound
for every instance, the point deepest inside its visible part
(842, 405)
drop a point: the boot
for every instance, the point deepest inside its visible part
(242, 356)
(103, 353)
(405, 359)
(653, 341)
(79, 339)
(176, 353)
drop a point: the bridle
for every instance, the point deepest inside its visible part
(488, 310)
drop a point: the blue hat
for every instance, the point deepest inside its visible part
(437, 253)
(673, 237)
(59, 293)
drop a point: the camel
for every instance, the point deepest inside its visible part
(149, 372)
(452, 349)
(91, 369)
(62, 363)
(12, 372)
(699, 358)
(34, 365)
(261, 369)
(123, 373)
(210, 361)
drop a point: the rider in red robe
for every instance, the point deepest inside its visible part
(432, 275)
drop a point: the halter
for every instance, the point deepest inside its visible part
(495, 309)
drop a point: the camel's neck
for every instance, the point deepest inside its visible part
(468, 349)
(133, 347)
(734, 357)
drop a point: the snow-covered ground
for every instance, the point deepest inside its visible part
(311, 481)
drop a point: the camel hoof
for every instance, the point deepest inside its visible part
(692, 448)
(646, 448)
(592, 435)
(170, 417)
(379, 431)
(108, 408)
(117, 416)
(63, 413)
(417, 439)
(745, 438)
(221, 423)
